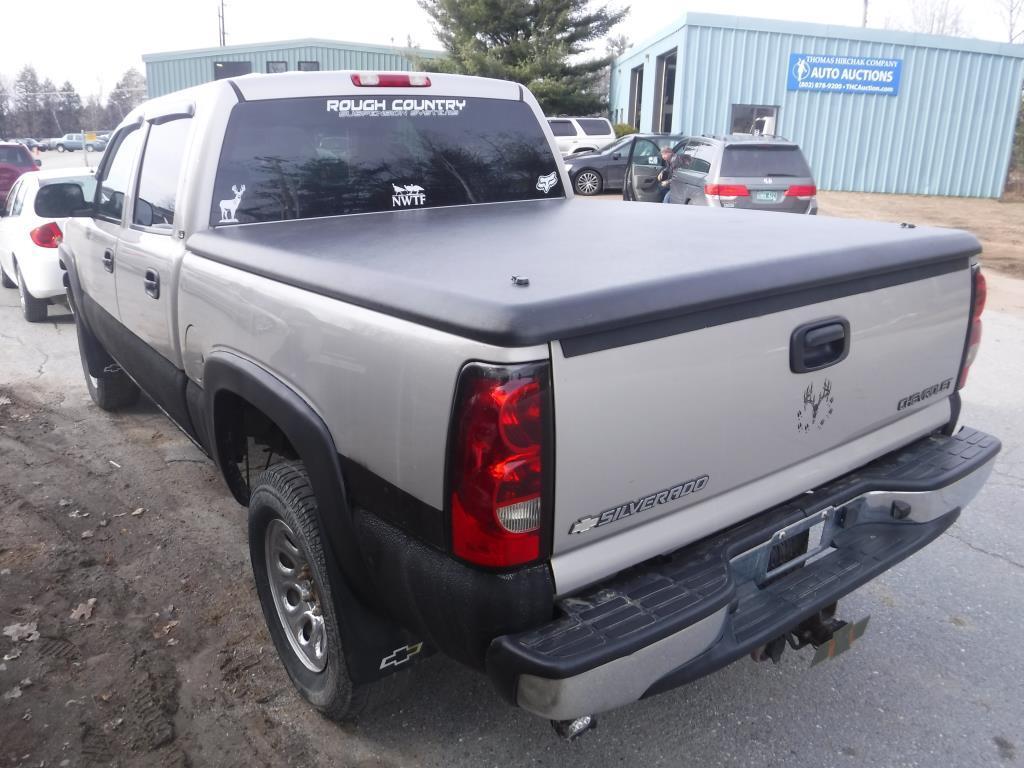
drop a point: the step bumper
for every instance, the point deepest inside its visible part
(681, 616)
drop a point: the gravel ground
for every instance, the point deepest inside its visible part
(173, 666)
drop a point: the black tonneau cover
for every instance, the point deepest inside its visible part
(601, 274)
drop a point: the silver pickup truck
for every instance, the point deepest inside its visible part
(593, 450)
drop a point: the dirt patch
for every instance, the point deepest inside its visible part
(999, 225)
(169, 665)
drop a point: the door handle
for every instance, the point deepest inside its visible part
(108, 260)
(152, 283)
(819, 344)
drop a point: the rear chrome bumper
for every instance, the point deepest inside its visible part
(676, 618)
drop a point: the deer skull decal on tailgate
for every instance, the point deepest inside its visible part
(816, 408)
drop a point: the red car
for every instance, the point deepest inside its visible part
(15, 159)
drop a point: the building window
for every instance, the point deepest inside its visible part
(222, 69)
(757, 119)
(309, 66)
(276, 67)
(636, 90)
(664, 92)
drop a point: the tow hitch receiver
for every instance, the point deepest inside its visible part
(829, 636)
(841, 641)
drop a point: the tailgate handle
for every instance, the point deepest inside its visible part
(819, 344)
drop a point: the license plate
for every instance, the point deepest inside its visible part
(841, 641)
(766, 197)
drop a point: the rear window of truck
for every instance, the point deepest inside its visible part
(328, 156)
(761, 160)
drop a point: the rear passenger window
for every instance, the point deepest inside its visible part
(595, 126)
(562, 128)
(114, 184)
(156, 197)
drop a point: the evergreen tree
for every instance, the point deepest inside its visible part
(49, 99)
(69, 109)
(6, 114)
(28, 105)
(538, 43)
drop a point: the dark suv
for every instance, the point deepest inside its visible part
(743, 171)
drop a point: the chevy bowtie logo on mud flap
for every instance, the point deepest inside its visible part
(816, 409)
(642, 504)
(401, 656)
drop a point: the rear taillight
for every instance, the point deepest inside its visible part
(726, 190)
(802, 190)
(979, 292)
(498, 463)
(384, 80)
(47, 236)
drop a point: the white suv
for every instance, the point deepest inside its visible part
(581, 134)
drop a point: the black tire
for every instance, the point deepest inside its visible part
(283, 493)
(588, 182)
(60, 148)
(5, 280)
(90, 148)
(32, 309)
(113, 390)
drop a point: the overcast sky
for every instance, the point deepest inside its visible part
(93, 43)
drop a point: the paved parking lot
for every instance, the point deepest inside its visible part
(174, 667)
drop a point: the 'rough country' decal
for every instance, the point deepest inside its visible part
(642, 504)
(396, 107)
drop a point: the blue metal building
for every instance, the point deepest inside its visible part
(873, 110)
(174, 70)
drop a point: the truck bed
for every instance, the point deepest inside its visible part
(600, 275)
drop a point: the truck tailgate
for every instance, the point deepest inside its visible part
(664, 440)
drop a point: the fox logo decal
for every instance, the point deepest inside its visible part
(546, 183)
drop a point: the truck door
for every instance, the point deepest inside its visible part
(151, 248)
(644, 166)
(96, 253)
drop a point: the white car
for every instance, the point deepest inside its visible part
(29, 235)
(581, 134)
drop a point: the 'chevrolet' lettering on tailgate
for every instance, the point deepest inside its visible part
(642, 504)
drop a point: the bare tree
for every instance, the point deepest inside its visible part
(938, 17)
(1012, 12)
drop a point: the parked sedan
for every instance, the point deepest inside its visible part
(30, 233)
(604, 170)
(32, 144)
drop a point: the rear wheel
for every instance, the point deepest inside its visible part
(60, 147)
(90, 148)
(32, 309)
(289, 565)
(588, 182)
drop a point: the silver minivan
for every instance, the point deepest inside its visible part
(743, 171)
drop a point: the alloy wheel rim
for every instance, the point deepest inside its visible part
(295, 596)
(587, 183)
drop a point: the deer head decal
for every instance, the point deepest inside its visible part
(815, 400)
